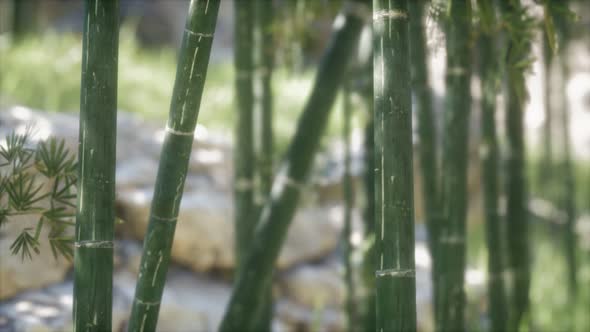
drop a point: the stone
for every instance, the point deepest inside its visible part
(204, 232)
(315, 285)
(17, 275)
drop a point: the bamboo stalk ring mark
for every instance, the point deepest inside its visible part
(389, 14)
(244, 184)
(452, 239)
(148, 304)
(199, 34)
(396, 273)
(169, 219)
(178, 132)
(94, 244)
(456, 71)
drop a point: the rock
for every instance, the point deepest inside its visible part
(204, 234)
(315, 285)
(300, 318)
(17, 275)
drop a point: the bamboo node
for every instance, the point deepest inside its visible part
(170, 219)
(94, 244)
(452, 239)
(244, 184)
(147, 303)
(199, 34)
(389, 14)
(178, 132)
(456, 71)
(396, 273)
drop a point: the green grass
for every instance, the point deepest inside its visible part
(43, 72)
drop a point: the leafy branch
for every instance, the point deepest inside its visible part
(38, 182)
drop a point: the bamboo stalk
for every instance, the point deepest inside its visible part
(348, 196)
(95, 215)
(184, 109)
(488, 69)
(451, 242)
(245, 218)
(426, 131)
(266, 48)
(255, 277)
(394, 191)
(519, 37)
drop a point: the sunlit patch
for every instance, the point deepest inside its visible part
(422, 256)
(474, 277)
(45, 311)
(23, 306)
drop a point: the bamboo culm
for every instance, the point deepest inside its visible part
(426, 130)
(255, 277)
(95, 215)
(394, 191)
(184, 109)
(245, 218)
(348, 195)
(488, 72)
(451, 241)
(516, 210)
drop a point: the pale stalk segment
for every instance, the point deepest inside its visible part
(191, 71)
(394, 191)
(451, 233)
(489, 155)
(255, 277)
(95, 217)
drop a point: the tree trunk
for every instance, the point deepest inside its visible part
(451, 241)
(184, 109)
(488, 70)
(95, 217)
(255, 277)
(394, 191)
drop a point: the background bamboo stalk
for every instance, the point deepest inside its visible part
(244, 159)
(256, 275)
(348, 196)
(518, 48)
(451, 242)
(95, 217)
(488, 72)
(427, 133)
(184, 109)
(394, 191)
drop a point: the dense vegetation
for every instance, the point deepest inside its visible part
(485, 41)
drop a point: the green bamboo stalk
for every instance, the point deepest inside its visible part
(568, 200)
(264, 54)
(348, 197)
(245, 219)
(451, 242)
(488, 72)
(519, 36)
(95, 214)
(24, 17)
(266, 48)
(426, 131)
(545, 166)
(394, 190)
(255, 277)
(369, 266)
(191, 72)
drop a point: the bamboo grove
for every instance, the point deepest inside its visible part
(411, 132)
